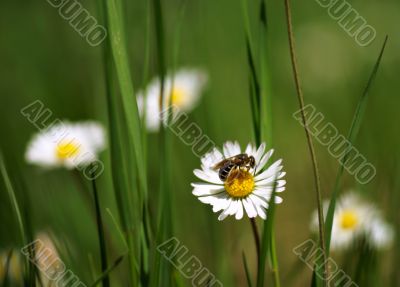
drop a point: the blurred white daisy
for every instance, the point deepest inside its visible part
(66, 145)
(351, 216)
(244, 189)
(379, 234)
(355, 219)
(183, 91)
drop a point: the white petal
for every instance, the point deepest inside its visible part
(239, 213)
(278, 199)
(262, 213)
(211, 158)
(269, 182)
(201, 189)
(250, 150)
(208, 199)
(280, 175)
(259, 200)
(208, 176)
(264, 160)
(233, 208)
(264, 193)
(231, 149)
(259, 208)
(225, 213)
(260, 152)
(222, 202)
(271, 171)
(248, 206)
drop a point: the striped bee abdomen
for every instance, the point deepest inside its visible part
(225, 170)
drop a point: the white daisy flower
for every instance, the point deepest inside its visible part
(248, 188)
(351, 216)
(66, 145)
(355, 219)
(183, 90)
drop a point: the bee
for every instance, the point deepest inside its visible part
(239, 161)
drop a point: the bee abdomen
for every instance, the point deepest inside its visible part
(225, 170)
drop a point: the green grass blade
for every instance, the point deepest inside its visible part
(160, 268)
(310, 144)
(246, 270)
(122, 162)
(274, 258)
(118, 227)
(13, 200)
(266, 240)
(352, 135)
(120, 57)
(30, 268)
(254, 85)
(265, 85)
(100, 233)
(107, 272)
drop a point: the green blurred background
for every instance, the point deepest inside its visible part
(43, 58)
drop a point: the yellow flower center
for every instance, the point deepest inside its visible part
(240, 183)
(177, 96)
(67, 150)
(349, 219)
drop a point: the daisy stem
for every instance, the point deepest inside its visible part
(100, 231)
(256, 235)
(309, 139)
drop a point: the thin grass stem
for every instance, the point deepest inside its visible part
(100, 233)
(308, 135)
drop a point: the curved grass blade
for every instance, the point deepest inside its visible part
(254, 91)
(13, 199)
(30, 268)
(129, 105)
(352, 135)
(246, 269)
(313, 157)
(161, 271)
(265, 104)
(266, 240)
(118, 227)
(100, 232)
(136, 208)
(106, 273)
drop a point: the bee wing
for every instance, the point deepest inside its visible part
(221, 163)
